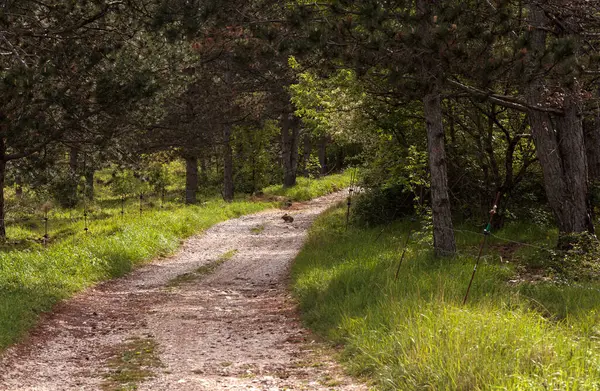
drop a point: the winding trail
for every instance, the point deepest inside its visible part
(235, 328)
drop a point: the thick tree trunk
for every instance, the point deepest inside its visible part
(443, 230)
(592, 148)
(73, 159)
(290, 129)
(227, 165)
(323, 155)
(560, 147)
(443, 234)
(191, 179)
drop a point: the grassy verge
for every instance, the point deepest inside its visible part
(307, 188)
(415, 334)
(32, 280)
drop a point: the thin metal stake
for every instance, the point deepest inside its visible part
(46, 236)
(141, 203)
(122, 206)
(486, 232)
(350, 191)
(404, 251)
(85, 214)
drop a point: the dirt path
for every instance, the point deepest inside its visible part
(216, 316)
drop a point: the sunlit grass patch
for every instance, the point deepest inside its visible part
(34, 278)
(308, 188)
(414, 333)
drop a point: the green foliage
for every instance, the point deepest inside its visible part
(255, 157)
(64, 188)
(382, 205)
(127, 183)
(577, 257)
(328, 105)
(415, 334)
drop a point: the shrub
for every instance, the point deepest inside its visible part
(380, 206)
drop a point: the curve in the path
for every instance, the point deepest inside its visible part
(235, 328)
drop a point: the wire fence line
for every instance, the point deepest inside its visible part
(89, 212)
(550, 251)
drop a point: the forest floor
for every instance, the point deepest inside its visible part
(216, 316)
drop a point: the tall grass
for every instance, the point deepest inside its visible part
(415, 334)
(34, 279)
(308, 188)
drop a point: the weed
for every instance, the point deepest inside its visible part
(258, 229)
(202, 270)
(134, 363)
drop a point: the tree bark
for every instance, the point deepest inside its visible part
(89, 183)
(191, 179)
(559, 146)
(443, 234)
(592, 148)
(323, 155)
(290, 129)
(559, 143)
(73, 159)
(227, 165)
(444, 243)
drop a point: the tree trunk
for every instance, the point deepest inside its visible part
(73, 159)
(290, 129)
(443, 229)
(227, 165)
(592, 148)
(443, 234)
(89, 183)
(323, 155)
(560, 147)
(191, 179)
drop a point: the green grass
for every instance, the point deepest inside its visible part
(415, 334)
(134, 362)
(307, 188)
(33, 279)
(202, 270)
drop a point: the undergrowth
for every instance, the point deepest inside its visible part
(415, 334)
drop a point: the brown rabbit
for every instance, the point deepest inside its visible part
(287, 218)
